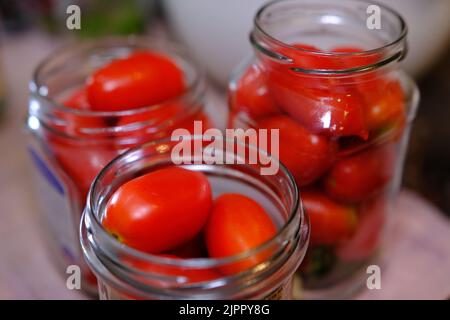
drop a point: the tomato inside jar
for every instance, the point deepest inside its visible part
(161, 229)
(91, 102)
(343, 107)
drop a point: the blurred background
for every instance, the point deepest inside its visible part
(199, 23)
(215, 32)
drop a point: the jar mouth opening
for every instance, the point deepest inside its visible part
(393, 49)
(131, 43)
(92, 211)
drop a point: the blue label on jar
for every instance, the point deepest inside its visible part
(46, 172)
(55, 205)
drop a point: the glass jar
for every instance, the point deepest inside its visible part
(333, 85)
(70, 146)
(119, 268)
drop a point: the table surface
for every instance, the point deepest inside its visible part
(416, 259)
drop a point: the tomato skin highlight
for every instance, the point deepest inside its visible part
(331, 222)
(359, 177)
(160, 210)
(305, 154)
(141, 79)
(237, 224)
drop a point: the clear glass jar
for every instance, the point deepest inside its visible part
(70, 146)
(119, 268)
(335, 89)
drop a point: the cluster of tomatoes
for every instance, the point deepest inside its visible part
(338, 138)
(125, 103)
(171, 212)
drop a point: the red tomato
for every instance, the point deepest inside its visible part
(385, 105)
(359, 58)
(141, 79)
(152, 124)
(359, 177)
(331, 222)
(308, 57)
(383, 97)
(355, 61)
(78, 100)
(158, 123)
(306, 155)
(160, 210)
(335, 111)
(74, 124)
(320, 103)
(237, 224)
(251, 95)
(367, 235)
(82, 161)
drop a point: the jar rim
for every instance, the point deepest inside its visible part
(194, 262)
(138, 42)
(258, 28)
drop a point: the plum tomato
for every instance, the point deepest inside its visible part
(308, 57)
(141, 79)
(251, 95)
(331, 222)
(355, 61)
(361, 176)
(335, 111)
(236, 224)
(75, 124)
(385, 105)
(159, 211)
(157, 123)
(363, 243)
(78, 100)
(81, 161)
(305, 154)
(321, 104)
